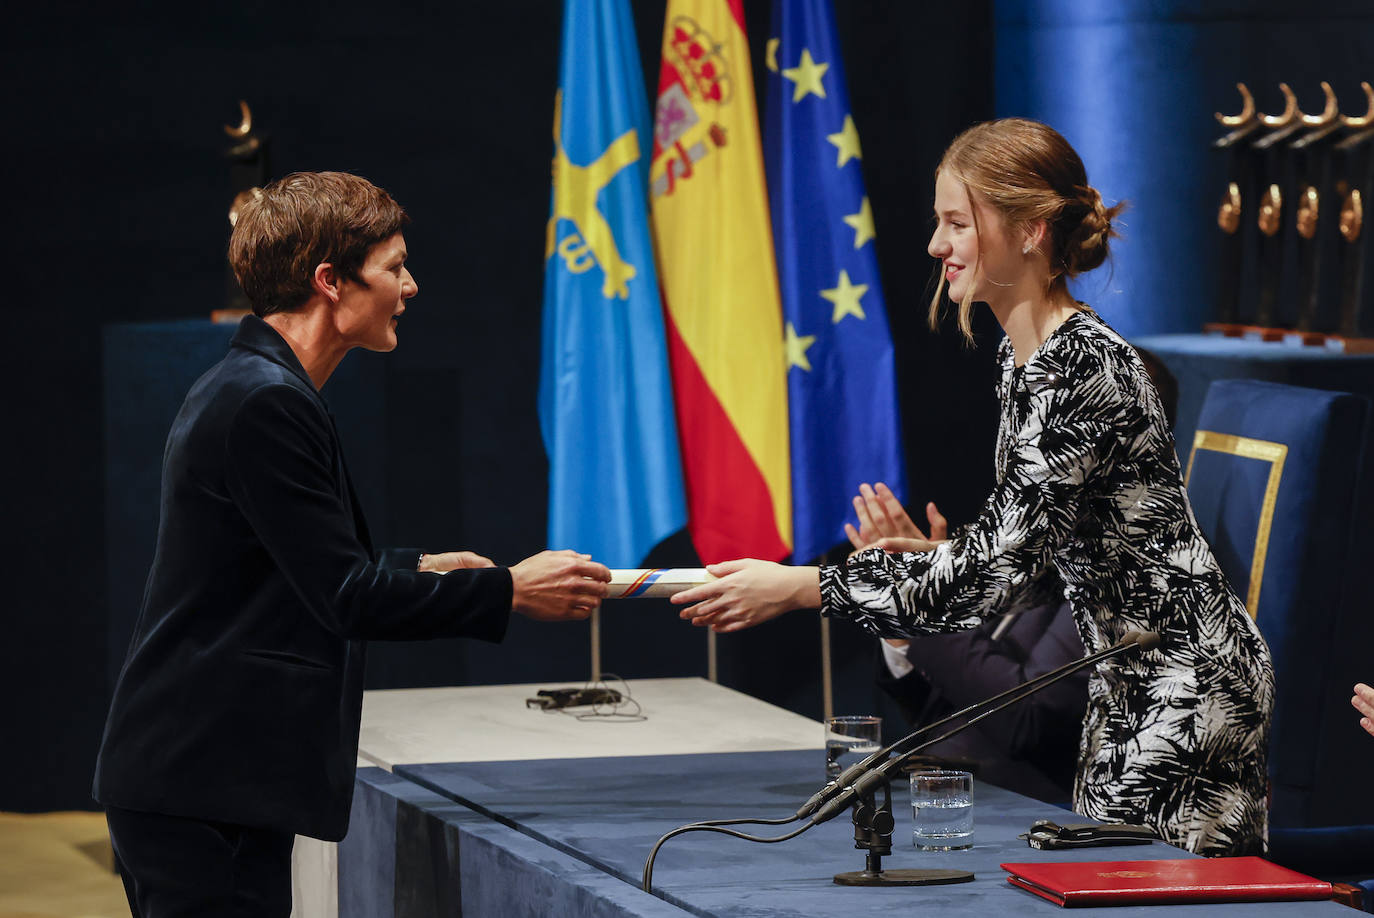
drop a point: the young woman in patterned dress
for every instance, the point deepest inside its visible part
(1087, 481)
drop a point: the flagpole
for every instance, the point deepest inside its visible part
(712, 672)
(596, 645)
(827, 684)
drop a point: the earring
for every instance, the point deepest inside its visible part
(1026, 249)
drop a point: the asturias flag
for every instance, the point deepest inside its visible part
(841, 381)
(715, 248)
(605, 398)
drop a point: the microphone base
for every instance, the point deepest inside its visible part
(902, 877)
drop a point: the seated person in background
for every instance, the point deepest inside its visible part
(1031, 747)
(1363, 701)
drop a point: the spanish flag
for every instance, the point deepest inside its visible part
(720, 287)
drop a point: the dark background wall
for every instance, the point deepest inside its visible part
(117, 211)
(116, 204)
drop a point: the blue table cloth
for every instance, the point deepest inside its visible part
(576, 830)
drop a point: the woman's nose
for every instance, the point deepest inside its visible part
(938, 247)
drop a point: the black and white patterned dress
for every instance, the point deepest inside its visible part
(1088, 481)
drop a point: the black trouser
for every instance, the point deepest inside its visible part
(173, 867)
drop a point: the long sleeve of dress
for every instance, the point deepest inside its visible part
(1061, 427)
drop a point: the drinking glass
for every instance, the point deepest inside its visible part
(941, 809)
(848, 739)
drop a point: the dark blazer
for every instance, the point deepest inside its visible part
(241, 694)
(1032, 746)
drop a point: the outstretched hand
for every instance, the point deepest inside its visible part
(749, 592)
(885, 524)
(555, 586)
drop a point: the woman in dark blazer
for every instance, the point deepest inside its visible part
(234, 723)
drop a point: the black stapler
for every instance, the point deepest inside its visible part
(1049, 836)
(553, 699)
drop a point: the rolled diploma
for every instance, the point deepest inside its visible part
(654, 583)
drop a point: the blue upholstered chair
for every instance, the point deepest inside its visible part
(1280, 478)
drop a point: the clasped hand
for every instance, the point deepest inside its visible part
(558, 586)
(749, 592)
(549, 586)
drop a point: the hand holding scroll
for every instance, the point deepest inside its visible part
(748, 592)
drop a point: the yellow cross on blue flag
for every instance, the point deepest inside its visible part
(605, 397)
(841, 382)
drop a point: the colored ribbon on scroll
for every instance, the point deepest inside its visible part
(654, 583)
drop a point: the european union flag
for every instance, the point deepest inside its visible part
(605, 398)
(842, 391)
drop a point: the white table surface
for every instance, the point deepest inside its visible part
(488, 723)
(491, 723)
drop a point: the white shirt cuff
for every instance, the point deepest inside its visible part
(895, 658)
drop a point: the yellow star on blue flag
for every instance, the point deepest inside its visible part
(841, 383)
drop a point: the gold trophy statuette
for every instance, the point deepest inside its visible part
(1352, 215)
(1228, 215)
(1309, 204)
(1270, 211)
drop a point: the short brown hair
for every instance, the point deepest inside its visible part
(296, 223)
(1027, 171)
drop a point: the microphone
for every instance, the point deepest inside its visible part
(1148, 640)
(1029, 687)
(836, 801)
(860, 781)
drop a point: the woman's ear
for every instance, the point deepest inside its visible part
(1035, 235)
(325, 281)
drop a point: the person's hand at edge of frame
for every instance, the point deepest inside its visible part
(445, 561)
(1363, 701)
(883, 519)
(555, 586)
(749, 592)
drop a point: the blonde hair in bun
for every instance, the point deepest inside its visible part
(1026, 171)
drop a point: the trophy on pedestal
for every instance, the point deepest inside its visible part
(248, 170)
(1353, 171)
(1239, 169)
(1271, 216)
(1294, 248)
(1310, 240)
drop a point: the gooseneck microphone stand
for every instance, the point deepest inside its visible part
(859, 785)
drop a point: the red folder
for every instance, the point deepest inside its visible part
(1218, 879)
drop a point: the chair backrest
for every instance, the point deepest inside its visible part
(1280, 481)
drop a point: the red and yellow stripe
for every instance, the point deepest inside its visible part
(715, 247)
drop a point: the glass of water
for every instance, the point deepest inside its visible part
(849, 739)
(941, 809)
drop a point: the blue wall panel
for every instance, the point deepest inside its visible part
(1133, 85)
